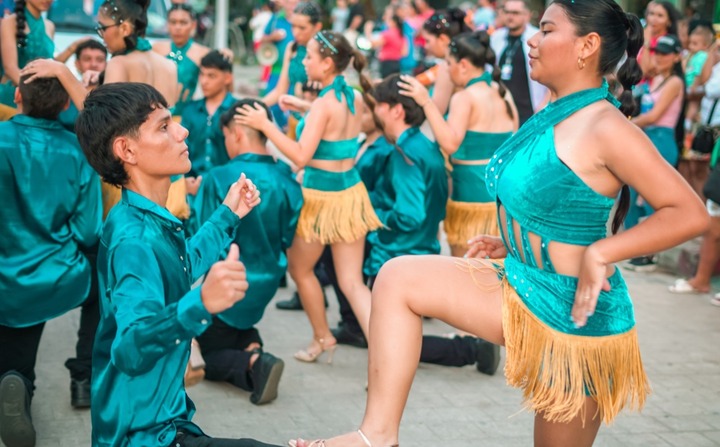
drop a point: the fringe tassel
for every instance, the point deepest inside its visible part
(465, 220)
(558, 371)
(337, 216)
(111, 195)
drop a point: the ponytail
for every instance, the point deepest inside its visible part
(20, 21)
(628, 75)
(359, 62)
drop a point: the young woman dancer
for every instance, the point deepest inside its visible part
(337, 209)
(184, 51)
(481, 118)
(26, 35)
(437, 32)
(558, 304)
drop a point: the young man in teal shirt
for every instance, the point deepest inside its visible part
(232, 347)
(201, 118)
(49, 219)
(146, 268)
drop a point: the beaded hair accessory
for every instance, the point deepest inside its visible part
(111, 9)
(320, 37)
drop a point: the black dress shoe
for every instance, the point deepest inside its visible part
(294, 302)
(345, 336)
(16, 427)
(487, 357)
(80, 393)
(266, 373)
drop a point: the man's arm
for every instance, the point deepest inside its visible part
(86, 221)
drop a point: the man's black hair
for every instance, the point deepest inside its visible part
(43, 98)
(111, 111)
(227, 117)
(388, 92)
(91, 44)
(215, 59)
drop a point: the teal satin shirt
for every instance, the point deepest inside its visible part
(51, 212)
(206, 143)
(372, 163)
(410, 200)
(68, 117)
(188, 73)
(148, 317)
(38, 45)
(264, 235)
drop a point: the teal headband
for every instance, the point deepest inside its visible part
(324, 40)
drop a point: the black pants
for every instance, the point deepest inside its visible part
(81, 366)
(456, 351)
(19, 347)
(189, 440)
(226, 359)
(388, 68)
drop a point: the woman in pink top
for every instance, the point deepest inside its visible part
(662, 18)
(661, 111)
(391, 43)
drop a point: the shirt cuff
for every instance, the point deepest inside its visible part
(192, 314)
(225, 220)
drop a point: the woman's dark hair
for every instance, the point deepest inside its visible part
(20, 22)
(449, 22)
(310, 10)
(388, 92)
(620, 33)
(111, 111)
(183, 7)
(338, 49)
(399, 24)
(672, 13)
(475, 48)
(133, 11)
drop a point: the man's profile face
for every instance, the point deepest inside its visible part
(91, 59)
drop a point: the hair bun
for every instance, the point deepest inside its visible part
(144, 4)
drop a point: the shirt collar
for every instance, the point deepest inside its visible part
(407, 134)
(141, 202)
(258, 158)
(29, 121)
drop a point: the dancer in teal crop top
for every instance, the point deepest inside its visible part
(573, 376)
(470, 209)
(337, 209)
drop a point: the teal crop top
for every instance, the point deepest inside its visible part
(540, 192)
(336, 149)
(479, 145)
(188, 74)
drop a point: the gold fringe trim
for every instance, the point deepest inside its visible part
(336, 216)
(465, 220)
(111, 195)
(555, 370)
(177, 199)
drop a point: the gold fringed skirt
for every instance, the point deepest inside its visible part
(465, 220)
(336, 216)
(557, 371)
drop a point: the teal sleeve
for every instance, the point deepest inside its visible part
(86, 221)
(147, 328)
(207, 201)
(408, 211)
(295, 200)
(212, 240)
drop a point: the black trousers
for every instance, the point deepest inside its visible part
(81, 365)
(456, 351)
(189, 440)
(226, 360)
(388, 68)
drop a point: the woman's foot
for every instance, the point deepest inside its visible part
(317, 348)
(686, 286)
(354, 439)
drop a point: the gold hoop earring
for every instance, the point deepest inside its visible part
(581, 63)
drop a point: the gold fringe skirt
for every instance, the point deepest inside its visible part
(336, 216)
(465, 220)
(557, 371)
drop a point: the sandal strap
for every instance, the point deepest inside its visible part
(367, 441)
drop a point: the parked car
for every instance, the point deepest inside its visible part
(75, 19)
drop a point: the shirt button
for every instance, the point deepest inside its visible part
(181, 258)
(203, 321)
(185, 269)
(177, 341)
(178, 229)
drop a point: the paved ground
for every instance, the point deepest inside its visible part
(448, 406)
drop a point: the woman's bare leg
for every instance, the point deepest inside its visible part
(302, 257)
(406, 288)
(549, 434)
(709, 255)
(348, 262)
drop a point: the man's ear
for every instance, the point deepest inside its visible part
(125, 150)
(18, 98)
